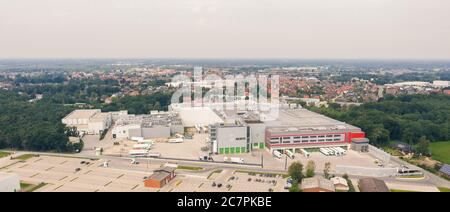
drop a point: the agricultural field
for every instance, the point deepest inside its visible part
(441, 151)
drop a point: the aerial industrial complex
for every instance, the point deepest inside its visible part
(235, 131)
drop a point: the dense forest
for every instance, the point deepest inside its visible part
(32, 126)
(37, 126)
(403, 118)
(75, 91)
(142, 104)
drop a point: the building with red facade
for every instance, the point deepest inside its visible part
(302, 129)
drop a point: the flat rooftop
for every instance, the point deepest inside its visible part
(149, 121)
(198, 116)
(100, 117)
(4, 175)
(82, 114)
(294, 120)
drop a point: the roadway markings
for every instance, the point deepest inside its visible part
(37, 160)
(63, 162)
(88, 172)
(120, 176)
(63, 178)
(107, 184)
(34, 175)
(134, 187)
(50, 168)
(23, 166)
(73, 179)
(58, 187)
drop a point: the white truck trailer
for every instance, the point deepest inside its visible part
(233, 160)
(277, 154)
(142, 146)
(324, 151)
(139, 152)
(176, 140)
(290, 154)
(305, 153)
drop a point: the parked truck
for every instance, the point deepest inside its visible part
(290, 154)
(176, 140)
(305, 153)
(233, 160)
(277, 154)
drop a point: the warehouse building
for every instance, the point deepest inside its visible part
(230, 139)
(291, 128)
(360, 144)
(92, 122)
(302, 129)
(9, 182)
(154, 125)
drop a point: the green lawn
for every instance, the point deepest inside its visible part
(4, 154)
(442, 189)
(412, 177)
(218, 171)
(26, 187)
(441, 151)
(25, 157)
(402, 191)
(192, 168)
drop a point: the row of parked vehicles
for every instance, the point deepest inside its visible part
(333, 151)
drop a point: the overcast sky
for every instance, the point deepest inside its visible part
(308, 29)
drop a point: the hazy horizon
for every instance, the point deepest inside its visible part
(225, 29)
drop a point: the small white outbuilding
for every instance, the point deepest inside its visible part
(9, 182)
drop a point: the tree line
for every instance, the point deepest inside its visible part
(404, 118)
(32, 126)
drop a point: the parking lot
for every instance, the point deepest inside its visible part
(190, 149)
(68, 174)
(64, 174)
(228, 181)
(351, 158)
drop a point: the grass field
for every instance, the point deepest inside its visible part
(30, 187)
(441, 151)
(25, 157)
(442, 189)
(191, 168)
(4, 154)
(401, 191)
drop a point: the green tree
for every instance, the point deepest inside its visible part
(326, 170)
(295, 187)
(310, 169)
(423, 146)
(296, 172)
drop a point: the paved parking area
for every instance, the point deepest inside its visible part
(231, 181)
(352, 158)
(189, 149)
(60, 175)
